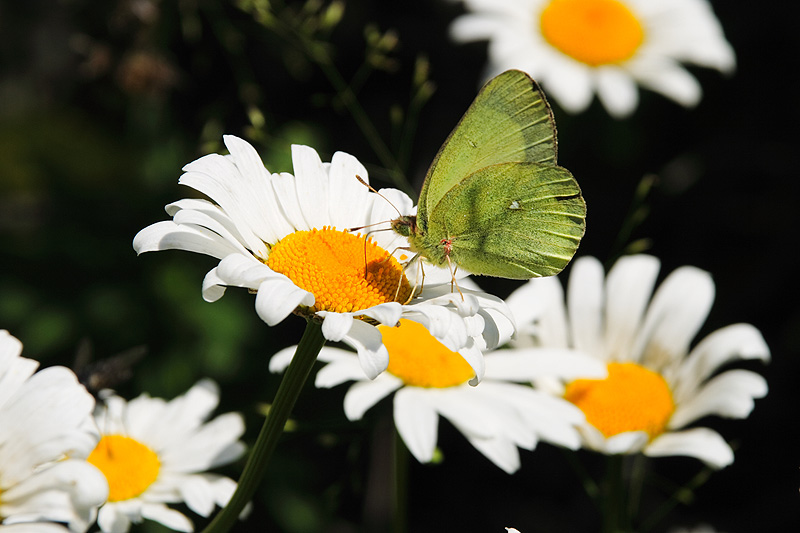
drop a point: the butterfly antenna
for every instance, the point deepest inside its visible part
(370, 187)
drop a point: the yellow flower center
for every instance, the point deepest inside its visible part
(129, 466)
(344, 272)
(595, 32)
(631, 398)
(417, 358)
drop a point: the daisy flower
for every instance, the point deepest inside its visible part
(155, 452)
(276, 234)
(429, 380)
(46, 433)
(656, 384)
(577, 47)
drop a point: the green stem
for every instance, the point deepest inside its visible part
(683, 495)
(400, 482)
(614, 506)
(288, 392)
(587, 482)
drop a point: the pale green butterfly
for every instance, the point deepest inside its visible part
(494, 202)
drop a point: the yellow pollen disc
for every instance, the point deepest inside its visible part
(417, 358)
(129, 466)
(330, 264)
(595, 32)
(631, 398)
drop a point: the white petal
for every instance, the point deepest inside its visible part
(670, 79)
(678, 309)
(239, 270)
(345, 192)
(336, 325)
(468, 28)
(417, 422)
(570, 85)
(167, 235)
(527, 364)
(203, 492)
(388, 313)
(617, 91)
(202, 221)
(196, 492)
(364, 394)
(257, 199)
(10, 348)
(280, 360)
(213, 444)
(169, 517)
(474, 358)
(443, 323)
(621, 443)
(311, 181)
(538, 308)
(584, 302)
(40, 527)
(213, 286)
(501, 452)
(737, 341)
(702, 443)
(277, 298)
(368, 342)
(629, 285)
(15, 370)
(339, 371)
(111, 519)
(730, 395)
(67, 491)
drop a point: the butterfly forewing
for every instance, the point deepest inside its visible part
(516, 220)
(509, 120)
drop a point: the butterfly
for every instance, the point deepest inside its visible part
(494, 202)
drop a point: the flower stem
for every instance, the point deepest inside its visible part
(288, 392)
(400, 453)
(615, 506)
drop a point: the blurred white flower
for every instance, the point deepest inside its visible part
(155, 452)
(578, 47)
(700, 528)
(429, 380)
(276, 234)
(46, 433)
(656, 385)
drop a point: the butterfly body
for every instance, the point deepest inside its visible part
(494, 202)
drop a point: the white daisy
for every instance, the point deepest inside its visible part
(577, 47)
(429, 380)
(657, 385)
(46, 433)
(277, 234)
(155, 452)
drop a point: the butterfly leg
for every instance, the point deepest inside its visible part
(448, 247)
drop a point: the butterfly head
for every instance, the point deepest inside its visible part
(405, 225)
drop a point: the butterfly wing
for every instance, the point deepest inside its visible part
(509, 120)
(516, 220)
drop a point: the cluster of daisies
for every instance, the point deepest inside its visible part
(68, 461)
(609, 364)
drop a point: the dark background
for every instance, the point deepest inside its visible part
(102, 103)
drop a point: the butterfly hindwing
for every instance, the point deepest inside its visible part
(515, 220)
